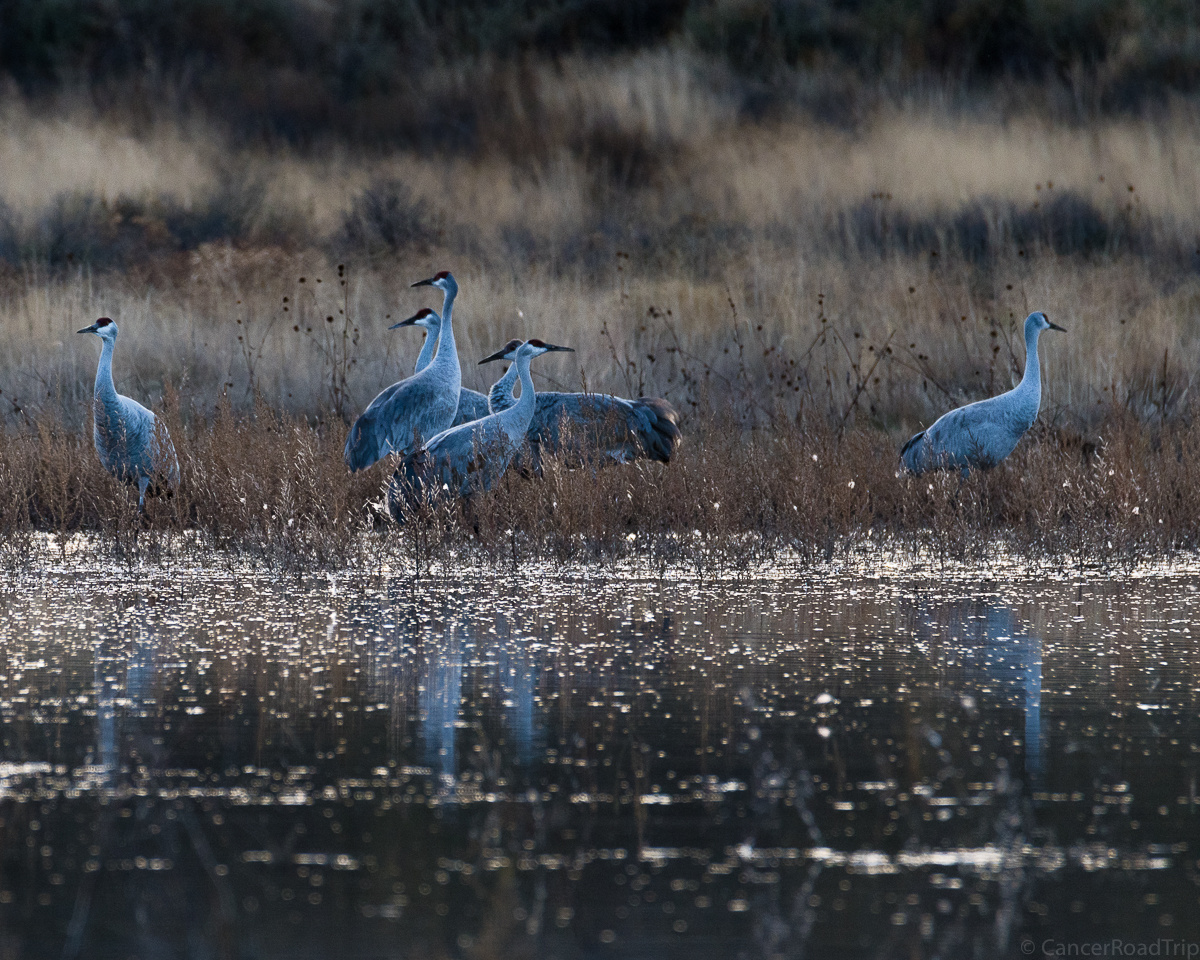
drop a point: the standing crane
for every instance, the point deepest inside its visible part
(472, 456)
(133, 444)
(580, 426)
(472, 405)
(983, 433)
(406, 413)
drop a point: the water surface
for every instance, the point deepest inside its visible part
(210, 764)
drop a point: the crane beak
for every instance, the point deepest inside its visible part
(92, 329)
(551, 348)
(423, 283)
(1055, 326)
(499, 355)
(410, 322)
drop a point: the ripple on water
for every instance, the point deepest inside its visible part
(839, 760)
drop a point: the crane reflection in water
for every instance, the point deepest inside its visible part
(517, 670)
(1001, 666)
(511, 672)
(1012, 663)
(441, 705)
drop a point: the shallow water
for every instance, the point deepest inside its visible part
(820, 764)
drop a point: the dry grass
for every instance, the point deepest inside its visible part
(641, 192)
(269, 489)
(857, 339)
(261, 486)
(793, 288)
(567, 128)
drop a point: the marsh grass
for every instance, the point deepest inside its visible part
(266, 488)
(796, 288)
(784, 259)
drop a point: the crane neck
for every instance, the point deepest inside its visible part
(447, 352)
(528, 394)
(427, 349)
(516, 419)
(106, 390)
(500, 397)
(1031, 382)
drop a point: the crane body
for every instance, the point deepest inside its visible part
(132, 443)
(981, 434)
(584, 427)
(471, 456)
(407, 413)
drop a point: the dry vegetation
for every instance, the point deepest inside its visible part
(267, 488)
(807, 292)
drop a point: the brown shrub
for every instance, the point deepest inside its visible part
(731, 499)
(268, 487)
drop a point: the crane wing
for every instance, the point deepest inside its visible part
(472, 405)
(584, 426)
(397, 421)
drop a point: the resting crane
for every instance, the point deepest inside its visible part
(582, 425)
(133, 444)
(472, 405)
(472, 456)
(406, 413)
(983, 433)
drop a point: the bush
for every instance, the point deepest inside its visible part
(83, 228)
(10, 235)
(232, 212)
(385, 218)
(1065, 223)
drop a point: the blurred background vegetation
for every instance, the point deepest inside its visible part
(376, 71)
(661, 184)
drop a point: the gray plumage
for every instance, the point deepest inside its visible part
(407, 413)
(471, 456)
(472, 405)
(981, 434)
(580, 427)
(132, 443)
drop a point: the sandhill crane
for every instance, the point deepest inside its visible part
(133, 444)
(982, 434)
(472, 456)
(407, 413)
(582, 425)
(472, 405)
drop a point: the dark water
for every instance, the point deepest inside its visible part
(827, 765)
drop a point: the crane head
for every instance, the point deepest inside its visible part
(530, 348)
(104, 328)
(538, 347)
(507, 352)
(425, 318)
(443, 280)
(1039, 322)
